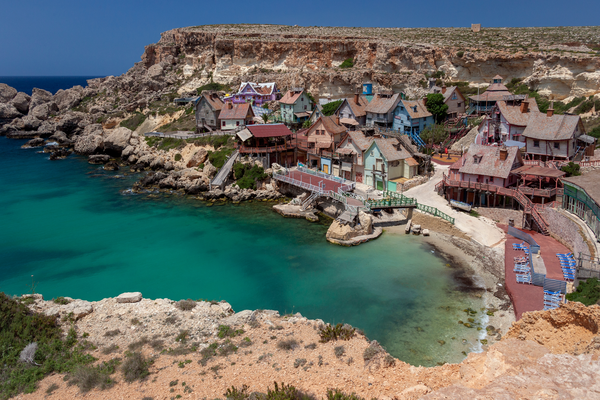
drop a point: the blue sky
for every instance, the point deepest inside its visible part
(65, 37)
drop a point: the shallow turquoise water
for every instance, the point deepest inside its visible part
(79, 232)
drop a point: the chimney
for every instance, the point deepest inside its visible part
(443, 89)
(550, 111)
(337, 119)
(424, 102)
(524, 107)
(356, 97)
(503, 153)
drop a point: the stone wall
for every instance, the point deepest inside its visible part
(566, 231)
(501, 215)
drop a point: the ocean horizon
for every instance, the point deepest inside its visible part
(50, 83)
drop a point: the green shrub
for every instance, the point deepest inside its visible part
(339, 351)
(348, 63)
(88, 378)
(238, 170)
(218, 157)
(178, 157)
(337, 394)
(227, 331)
(186, 305)
(135, 367)
(571, 169)
(213, 86)
(287, 344)
(61, 300)
(286, 392)
(250, 176)
(18, 328)
(134, 121)
(341, 331)
(331, 107)
(587, 292)
(460, 54)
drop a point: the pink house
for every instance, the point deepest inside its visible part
(255, 93)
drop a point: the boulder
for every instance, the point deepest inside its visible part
(93, 129)
(152, 178)
(240, 318)
(79, 308)
(157, 163)
(129, 297)
(168, 183)
(155, 72)
(47, 128)
(27, 123)
(129, 150)
(8, 112)
(7, 93)
(60, 137)
(111, 166)
(39, 97)
(198, 158)
(21, 102)
(89, 144)
(98, 159)
(209, 170)
(66, 99)
(70, 122)
(59, 153)
(190, 173)
(44, 111)
(117, 140)
(197, 187)
(37, 142)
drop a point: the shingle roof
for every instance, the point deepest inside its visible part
(360, 139)
(238, 111)
(513, 114)
(331, 125)
(556, 127)
(261, 88)
(489, 164)
(447, 93)
(421, 109)
(387, 147)
(213, 100)
(268, 130)
(291, 97)
(382, 105)
(358, 109)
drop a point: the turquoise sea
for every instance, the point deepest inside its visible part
(80, 233)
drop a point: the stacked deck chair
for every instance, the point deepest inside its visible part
(552, 300)
(568, 265)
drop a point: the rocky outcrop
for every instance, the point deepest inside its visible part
(345, 231)
(7, 93)
(117, 140)
(198, 158)
(99, 159)
(21, 102)
(9, 112)
(129, 297)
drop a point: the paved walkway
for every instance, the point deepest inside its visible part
(480, 230)
(529, 297)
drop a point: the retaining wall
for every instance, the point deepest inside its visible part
(566, 231)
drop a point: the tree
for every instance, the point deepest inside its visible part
(265, 117)
(330, 108)
(435, 134)
(436, 106)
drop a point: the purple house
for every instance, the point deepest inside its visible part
(255, 93)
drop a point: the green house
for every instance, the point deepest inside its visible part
(582, 198)
(386, 161)
(295, 106)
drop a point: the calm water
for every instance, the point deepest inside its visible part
(81, 234)
(49, 83)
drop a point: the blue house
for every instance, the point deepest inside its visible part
(411, 117)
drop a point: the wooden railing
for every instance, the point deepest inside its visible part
(265, 149)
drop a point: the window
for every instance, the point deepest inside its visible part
(556, 145)
(237, 123)
(536, 143)
(459, 104)
(454, 96)
(349, 141)
(223, 123)
(305, 106)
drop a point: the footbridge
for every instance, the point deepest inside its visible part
(324, 185)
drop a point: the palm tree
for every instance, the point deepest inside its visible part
(265, 118)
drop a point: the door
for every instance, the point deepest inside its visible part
(326, 168)
(359, 177)
(379, 185)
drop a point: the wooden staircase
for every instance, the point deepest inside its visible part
(529, 209)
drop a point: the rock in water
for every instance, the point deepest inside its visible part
(111, 166)
(8, 111)
(90, 144)
(129, 297)
(98, 159)
(37, 142)
(39, 97)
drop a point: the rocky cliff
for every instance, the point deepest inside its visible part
(560, 62)
(212, 348)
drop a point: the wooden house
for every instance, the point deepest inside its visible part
(353, 146)
(385, 161)
(255, 93)
(484, 102)
(411, 117)
(453, 98)
(295, 106)
(380, 110)
(322, 139)
(269, 142)
(549, 136)
(236, 115)
(507, 122)
(208, 108)
(352, 111)
(316, 113)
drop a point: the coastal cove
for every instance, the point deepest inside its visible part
(80, 232)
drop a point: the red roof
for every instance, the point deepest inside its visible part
(268, 130)
(237, 111)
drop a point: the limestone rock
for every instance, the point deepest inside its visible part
(117, 140)
(37, 142)
(129, 297)
(44, 111)
(39, 97)
(93, 129)
(66, 99)
(27, 123)
(21, 102)
(198, 158)
(157, 163)
(340, 231)
(8, 112)
(98, 159)
(7, 93)
(89, 144)
(209, 170)
(155, 71)
(240, 318)
(79, 308)
(60, 137)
